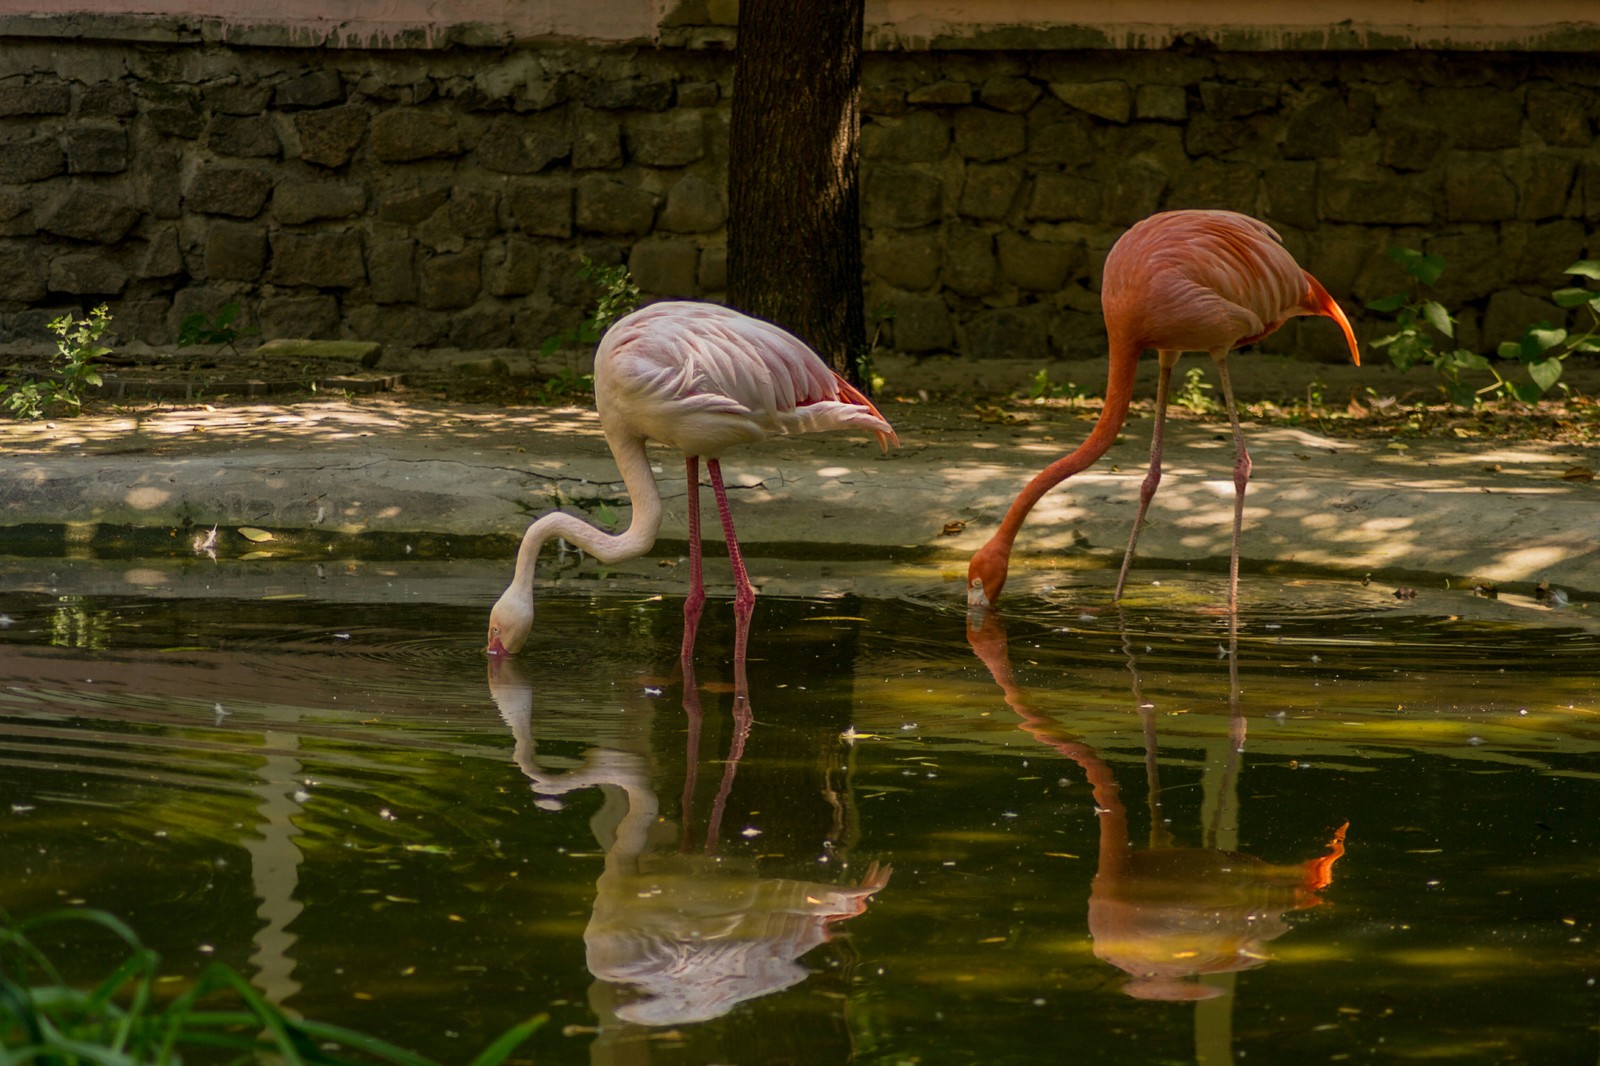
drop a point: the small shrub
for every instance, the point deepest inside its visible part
(77, 347)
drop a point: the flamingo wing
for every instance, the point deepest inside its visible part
(703, 378)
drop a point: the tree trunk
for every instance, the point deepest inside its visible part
(794, 218)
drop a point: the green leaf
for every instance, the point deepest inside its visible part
(605, 515)
(1547, 338)
(1586, 268)
(1526, 391)
(1465, 360)
(1387, 303)
(1509, 350)
(1438, 318)
(1545, 374)
(1571, 297)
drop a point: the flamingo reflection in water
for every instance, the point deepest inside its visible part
(678, 935)
(1167, 915)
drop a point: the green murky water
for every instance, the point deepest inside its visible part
(1369, 831)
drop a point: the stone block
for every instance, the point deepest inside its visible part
(452, 281)
(667, 139)
(399, 326)
(1476, 118)
(612, 207)
(1316, 130)
(225, 190)
(411, 204)
(904, 262)
(162, 258)
(1478, 191)
(247, 137)
(970, 266)
(1510, 313)
(713, 269)
(698, 93)
(988, 136)
(525, 144)
(39, 98)
(694, 205)
(518, 269)
(323, 260)
(238, 99)
(475, 213)
(16, 212)
(624, 94)
(919, 137)
(1076, 332)
(1545, 182)
(1397, 202)
(1224, 101)
(294, 349)
(1291, 194)
(1560, 118)
(596, 141)
(920, 323)
(392, 271)
(176, 116)
(405, 135)
(901, 197)
(163, 187)
(1066, 141)
(1038, 266)
(1409, 146)
(483, 327)
(945, 93)
(1212, 183)
(1109, 100)
(885, 101)
(97, 150)
(1009, 93)
(34, 159)
(1161, 103)
(298, 202)
(541, 207)
(87, 275)
(989, 190)
(1009, 333)
(86, 213)
(235, 251)
(317, 88)
(107, 100)
(314, 315)
(1134, 190)
(329, 137)
(665, 266)
(22, 278)
(1549, 249)
(1058, 197)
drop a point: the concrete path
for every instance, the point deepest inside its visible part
(1431, 512)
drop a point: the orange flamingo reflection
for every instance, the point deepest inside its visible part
(1162, 914)
(679, 935)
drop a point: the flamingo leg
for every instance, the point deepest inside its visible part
(696, 599)
(744, 597)
(1241, 477)
(1152, 479)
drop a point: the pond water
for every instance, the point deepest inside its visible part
(1360, 827)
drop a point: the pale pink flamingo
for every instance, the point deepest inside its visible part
(702, 379)
(1179, 281)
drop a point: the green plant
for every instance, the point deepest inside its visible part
(618, 296)
(77, 347)
(198, 328)
(1421, 323)
(126, 1019)
(1040, 387)
(1193, 393)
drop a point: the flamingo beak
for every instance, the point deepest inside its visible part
(496, 648)
(975, 594)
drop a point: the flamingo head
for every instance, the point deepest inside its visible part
(986, 575)
(510, 622)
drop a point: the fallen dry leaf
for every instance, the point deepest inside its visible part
(1578, 473)
(952, 528)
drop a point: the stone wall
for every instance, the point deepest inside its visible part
(442, 198)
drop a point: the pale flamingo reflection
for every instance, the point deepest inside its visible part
(678, 935)
(1166, 915)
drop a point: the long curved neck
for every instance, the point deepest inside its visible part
(1119, 393)
(632, 542)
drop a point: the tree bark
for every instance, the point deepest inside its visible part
(794, 217)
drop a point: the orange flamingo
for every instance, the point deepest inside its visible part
(1179, 281)
(703, 379)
